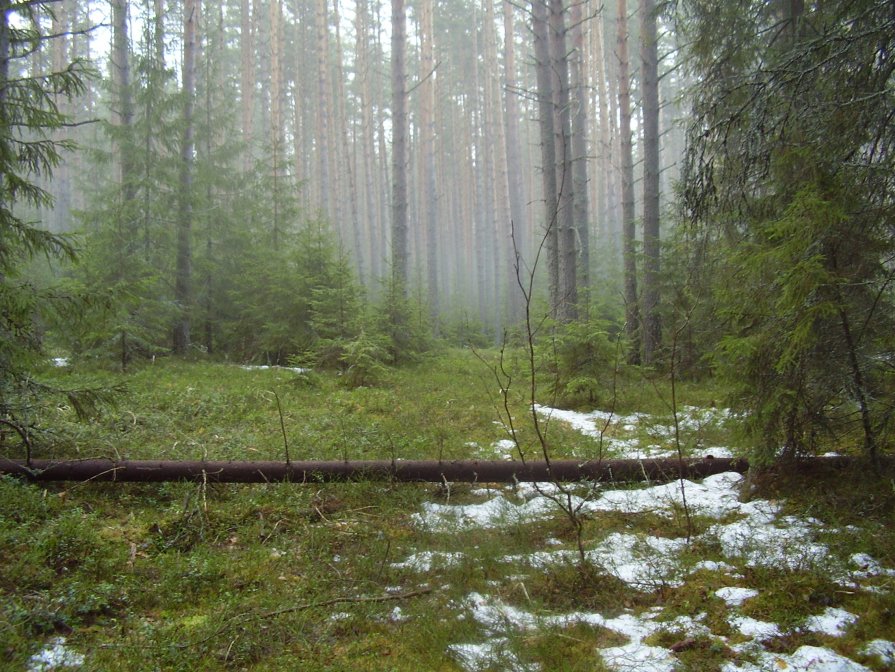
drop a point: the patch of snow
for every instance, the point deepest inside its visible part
(735, 596)
(805, 659)
(868, 567)
(759, 543)
(714, 566)
(753, 628)
(505, 448)
(425, 561)
(638, 657)
(264, 367)
(832, 622)
(492, 654)
(398, 616)
(643, 562)
(54, 656)
(882, 649)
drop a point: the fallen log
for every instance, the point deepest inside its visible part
(433, 471)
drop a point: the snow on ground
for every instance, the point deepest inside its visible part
(55, 656)
(748, 534)
(615, 431)
(264, 367)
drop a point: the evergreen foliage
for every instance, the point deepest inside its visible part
(29, 115)
(787, 193)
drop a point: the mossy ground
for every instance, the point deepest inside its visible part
(268, 577)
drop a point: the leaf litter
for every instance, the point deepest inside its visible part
(748, 535)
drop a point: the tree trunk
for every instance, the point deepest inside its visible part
(632, 314)
(579, 150)
(514, 162)
(183, 294)
(548, 148)
(323, 109)
(347, 159)
(652, 330)
(562, 130)
(247, 82)
(431, 207)
(277, 129)
(399, 149)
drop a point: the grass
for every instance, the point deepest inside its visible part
(183, 576)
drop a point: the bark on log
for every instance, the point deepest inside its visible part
(380, 470)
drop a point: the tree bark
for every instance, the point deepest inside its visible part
(431, 206)
(562, 130)
(632, 313)
(399, 149)
(183, 291)
(652, 328)
(548, 148)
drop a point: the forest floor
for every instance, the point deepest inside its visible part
(797, 575)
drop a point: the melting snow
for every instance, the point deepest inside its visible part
(882, 649)
(752, 534)
(832, 622)
(56, 655)
(264, 367)
(805, 659)
(734, 597)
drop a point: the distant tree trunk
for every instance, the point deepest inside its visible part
(562, 130)
(277, 126)
(347, 159)
(367, 139)
(514, 159)
(548, 148)
(183, 294)
(399, 149)
(605, 154)
(59, 218)
(324, 97)
(579, 149)
(123, 118)
(494, 124)
(431, 207)
(652, 329)
(247, 81)
(632, 313)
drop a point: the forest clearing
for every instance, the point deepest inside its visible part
(400, 576)
(558, 234)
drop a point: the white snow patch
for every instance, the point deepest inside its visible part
(760, 543)
(735, 596)
(882, 649)
(832, 622)
(868, 567)
(638, 657)
(497, 618)
(425, 561)
(714, 566)
(505, 448)
(264, 367)
(805, 659)
(753, 628)
(54, 656)
(488, 655)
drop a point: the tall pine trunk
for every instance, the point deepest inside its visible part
(652, 330)
(548, 148)
(399, 149)
(632, 313)
(183, 291)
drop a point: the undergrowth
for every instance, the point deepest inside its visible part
(265, 577)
